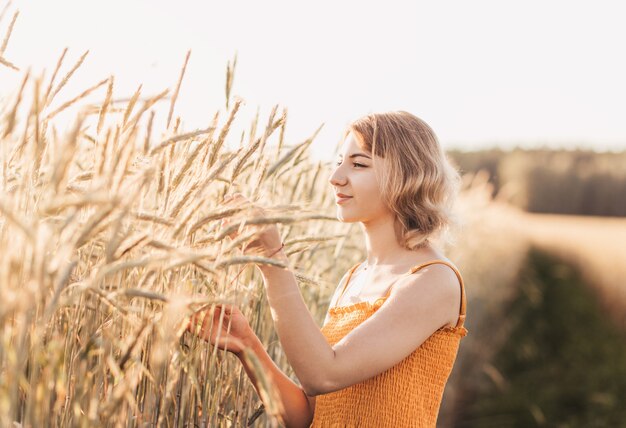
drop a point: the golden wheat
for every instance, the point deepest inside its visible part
(100, 321)
(112, 240)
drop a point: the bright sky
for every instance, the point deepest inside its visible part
(481, 73)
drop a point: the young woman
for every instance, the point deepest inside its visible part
(392, 332)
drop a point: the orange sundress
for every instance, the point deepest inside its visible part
(408, 394)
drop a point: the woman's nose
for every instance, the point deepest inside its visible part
(336, 178)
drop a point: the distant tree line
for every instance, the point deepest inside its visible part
(580, 182)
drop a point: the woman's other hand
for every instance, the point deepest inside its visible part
(297, 409)
(233, 338)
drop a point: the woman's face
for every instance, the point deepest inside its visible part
(354, 177)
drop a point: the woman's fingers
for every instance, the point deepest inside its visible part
(197, 319)
(204, 323)
(216, 313)
(200, 318)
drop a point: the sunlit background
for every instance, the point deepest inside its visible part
(481, 73)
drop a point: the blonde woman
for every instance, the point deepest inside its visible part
(392, 332)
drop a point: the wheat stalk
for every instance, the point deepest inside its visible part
(7, 36)
(66, 78)
(175, 96)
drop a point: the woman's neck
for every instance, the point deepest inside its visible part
(381, 243)
(384, 251)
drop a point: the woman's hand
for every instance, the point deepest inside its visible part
(234, 339)
(296, 410)
(268, 240)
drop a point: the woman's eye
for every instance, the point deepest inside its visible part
(355, 164)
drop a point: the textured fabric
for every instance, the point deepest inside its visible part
(408, 394)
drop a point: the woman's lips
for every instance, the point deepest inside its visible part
(340, 198)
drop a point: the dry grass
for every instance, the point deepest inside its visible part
(111, 239)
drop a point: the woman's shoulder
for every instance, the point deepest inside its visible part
(441, 276)
(439, 264)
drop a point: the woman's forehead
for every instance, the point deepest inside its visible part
(352, 145)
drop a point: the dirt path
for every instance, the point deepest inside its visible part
(596, 244)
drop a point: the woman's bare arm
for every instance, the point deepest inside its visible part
(297, 405)
(418, 305)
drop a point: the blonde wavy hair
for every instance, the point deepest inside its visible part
(418, 183)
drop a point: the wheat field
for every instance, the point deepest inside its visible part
(112, 238)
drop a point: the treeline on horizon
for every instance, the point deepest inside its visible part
(580, 182)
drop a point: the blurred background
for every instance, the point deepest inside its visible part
(482, 74)
(527, 99)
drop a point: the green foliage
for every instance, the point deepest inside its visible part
(554, 181)
(563, 364)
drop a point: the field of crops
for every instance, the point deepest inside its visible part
(111, 236)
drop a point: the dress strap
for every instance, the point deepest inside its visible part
(414, 269)
(350, 272)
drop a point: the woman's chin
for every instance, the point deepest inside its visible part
(344, 217)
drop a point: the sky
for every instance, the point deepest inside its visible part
(481, 73)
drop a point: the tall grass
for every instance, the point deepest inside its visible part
(111, 238)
